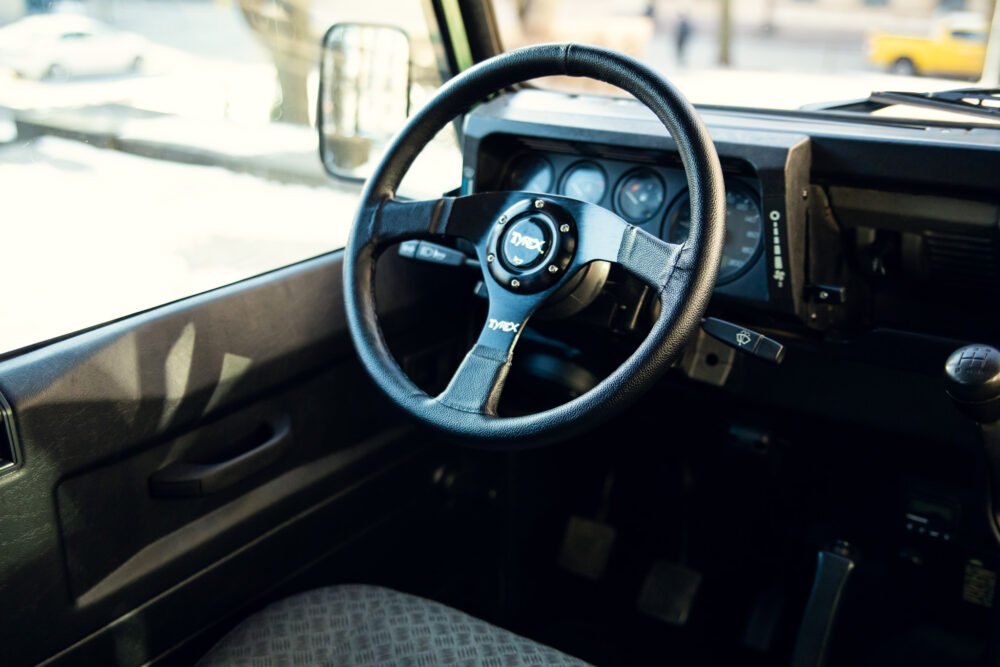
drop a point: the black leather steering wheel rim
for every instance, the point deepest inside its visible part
(684, 276)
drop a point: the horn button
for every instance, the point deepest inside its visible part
(531, 246)
(525, 243)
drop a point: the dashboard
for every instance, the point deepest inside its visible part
(835, 226)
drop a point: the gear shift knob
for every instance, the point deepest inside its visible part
(973, 375)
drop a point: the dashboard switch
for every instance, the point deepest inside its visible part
(432, 252)
(833, 295)
(408, 249)
(746, 340)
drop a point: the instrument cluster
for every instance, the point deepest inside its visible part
(650, 196)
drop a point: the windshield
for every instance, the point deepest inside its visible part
(779, 54)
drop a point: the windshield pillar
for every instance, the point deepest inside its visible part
(991, 66)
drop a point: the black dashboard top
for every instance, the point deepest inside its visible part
(856, 223)
(844, 146)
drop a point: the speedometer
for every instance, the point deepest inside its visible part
(743, 229)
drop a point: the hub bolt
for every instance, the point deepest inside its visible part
(515, 283)
(539, 203)
(564, 228)
(553, 268)
(490, 258)
(502, 220)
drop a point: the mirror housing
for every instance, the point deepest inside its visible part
(364, 95)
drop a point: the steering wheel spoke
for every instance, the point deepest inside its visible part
(479, 380)
(394, 220)
(469, 217)
(649, 258)
(606, 237)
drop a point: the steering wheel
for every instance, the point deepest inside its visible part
(529, 245)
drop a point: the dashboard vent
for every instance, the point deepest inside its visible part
(547, 145)
(963, 260)
(598, 151)
(603, 152)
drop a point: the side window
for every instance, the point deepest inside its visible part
(175, 154)
(969, 36)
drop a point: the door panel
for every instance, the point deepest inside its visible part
(170, 537)
(95, 565)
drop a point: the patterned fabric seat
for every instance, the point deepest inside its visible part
(355, 626)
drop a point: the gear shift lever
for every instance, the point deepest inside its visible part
(973, 374)
(973, 377)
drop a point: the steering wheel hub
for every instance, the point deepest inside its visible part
(533, 243)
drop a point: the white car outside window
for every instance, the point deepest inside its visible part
(61, 46)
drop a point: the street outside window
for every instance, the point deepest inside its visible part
(153, 149)
(779, 54)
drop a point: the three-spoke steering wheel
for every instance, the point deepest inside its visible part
(529, 245)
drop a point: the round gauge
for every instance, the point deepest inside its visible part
(531, 173)
(585, 181)
(640, 195)
(743, 229)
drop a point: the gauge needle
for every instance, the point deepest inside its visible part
(628, 193)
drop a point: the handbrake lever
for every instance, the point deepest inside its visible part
(744, 340)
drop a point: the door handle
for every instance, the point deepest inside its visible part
(191, 480)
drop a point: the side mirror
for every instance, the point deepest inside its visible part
(364, 95)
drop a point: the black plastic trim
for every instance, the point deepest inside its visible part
(9, 455)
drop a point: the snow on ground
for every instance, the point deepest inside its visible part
(92, 235)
